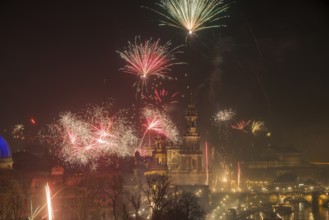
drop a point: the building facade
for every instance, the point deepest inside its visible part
(182, 164)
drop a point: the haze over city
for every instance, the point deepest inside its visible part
(268, 62)
(167, 109)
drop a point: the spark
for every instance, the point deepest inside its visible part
(149, 58)
(84, 138)
(33, 121)
(191, 15)
(241, 125)
(257, 126)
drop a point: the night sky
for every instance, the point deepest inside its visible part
(269, 63)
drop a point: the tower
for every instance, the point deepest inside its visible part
(191, 138)
(182, 163)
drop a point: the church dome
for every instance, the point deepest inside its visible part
(4, 148)
(5, 155)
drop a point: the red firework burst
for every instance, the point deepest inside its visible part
(241, 125)
(149, 58)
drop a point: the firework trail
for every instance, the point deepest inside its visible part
(37, 211)
(257, 126)
(239, 176)
(191, 15)
(84, 138)
(257, 75)
(50, 211)
(207, 164)
(161, 124)
(241, 125)
(147, 59)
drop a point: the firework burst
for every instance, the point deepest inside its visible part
(191, 15)
(161, 124)
(222, 120)
(257, 126)
(84, 138)
(241, 125)
(149, 58)
(224, 116)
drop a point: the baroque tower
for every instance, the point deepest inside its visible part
(185, 161)
(182, 163)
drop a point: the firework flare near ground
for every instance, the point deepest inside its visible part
(161, 124)
(147, 59)
(83, 138)
(191, 15)
(49, 207)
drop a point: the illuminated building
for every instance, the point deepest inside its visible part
(6, 161)
(273, 157)
(183, 164)
(280, 166)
